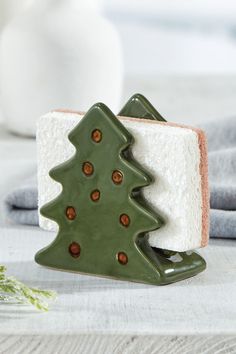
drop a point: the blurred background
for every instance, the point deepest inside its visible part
(181, 54)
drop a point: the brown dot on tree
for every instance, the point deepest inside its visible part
(124, 220)
(70, 213)
(74, 249)
(95, 195)
(88, 168)
(122, 258)
(96, 135)
(117, 177)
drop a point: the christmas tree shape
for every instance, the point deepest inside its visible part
(103, 219)
(139, 107)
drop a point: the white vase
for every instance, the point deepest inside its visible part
(9, 8)
(58, 54)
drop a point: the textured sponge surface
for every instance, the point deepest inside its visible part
(173, 156)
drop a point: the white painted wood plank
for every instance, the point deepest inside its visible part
(203, 305)
(116, 344)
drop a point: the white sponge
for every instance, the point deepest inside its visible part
(176, 157)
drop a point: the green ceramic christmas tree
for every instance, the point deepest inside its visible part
(103, 219)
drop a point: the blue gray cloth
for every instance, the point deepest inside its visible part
(222, 176)
(21, 204)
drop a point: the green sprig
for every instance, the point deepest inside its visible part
(12, 290)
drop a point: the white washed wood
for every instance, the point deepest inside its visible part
(117, 344)
(203, 306)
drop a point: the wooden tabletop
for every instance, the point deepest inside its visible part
(204, 305)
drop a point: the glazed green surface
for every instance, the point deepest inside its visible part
(192, 263)
(139, 107)
(96, 227)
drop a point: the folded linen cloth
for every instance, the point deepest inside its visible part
(21, 204)
(222, 176)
